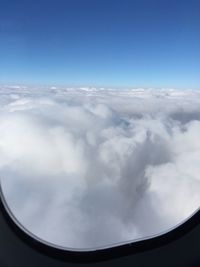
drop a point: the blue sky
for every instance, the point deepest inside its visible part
(136, 43)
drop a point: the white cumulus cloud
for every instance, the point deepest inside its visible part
(84, 168)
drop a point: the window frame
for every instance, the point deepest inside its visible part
(97, 254)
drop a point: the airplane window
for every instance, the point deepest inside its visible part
(89, 168)
(99, 119)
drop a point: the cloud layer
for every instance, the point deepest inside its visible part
(86, 167)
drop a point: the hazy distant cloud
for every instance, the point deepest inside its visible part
(85, 168)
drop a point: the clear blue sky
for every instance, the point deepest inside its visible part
(152, 43)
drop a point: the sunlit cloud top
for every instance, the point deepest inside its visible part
(88, 167)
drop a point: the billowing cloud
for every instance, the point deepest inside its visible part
(87, 167)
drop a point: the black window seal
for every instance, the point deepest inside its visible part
(97, 254)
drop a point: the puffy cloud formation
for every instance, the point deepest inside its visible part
(84, 168)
